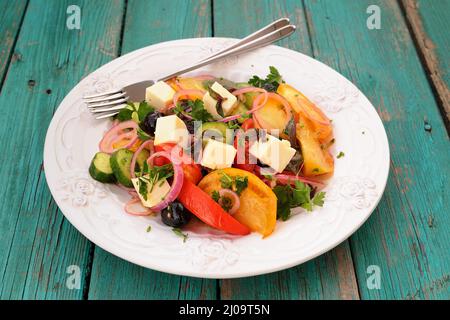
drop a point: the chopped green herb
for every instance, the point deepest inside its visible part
(215, 195)
(340, 155)
(149, 228)
(180, 233)
(144, 109)
(316, 170)
(142, 135)
(178, 109)
(268, 177)
(143, 187)
(241, 183)
(233, 125)
(226, 181)
(318, 199)
(283, 202)
(199, 112)
(149, 177)
(124, 114)
(297, 196)
(270, 83)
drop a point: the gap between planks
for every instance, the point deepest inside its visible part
(13, 46)
(425, 49)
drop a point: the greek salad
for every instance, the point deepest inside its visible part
(237, 156)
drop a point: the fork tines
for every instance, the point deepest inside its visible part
(106, 104)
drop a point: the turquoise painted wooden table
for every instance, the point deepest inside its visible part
(403, 68)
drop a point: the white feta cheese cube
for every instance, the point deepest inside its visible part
(273, 152)
(218, 155)
(229, 100)
(211, 106)
(159, 95)
(171, 129)
(155, 193)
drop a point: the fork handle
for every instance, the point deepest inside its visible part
(251, 45)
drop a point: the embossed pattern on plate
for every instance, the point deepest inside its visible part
(96, 210)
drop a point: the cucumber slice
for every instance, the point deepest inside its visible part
(120, 164)
(241, 108)
(219, 127)
(100, 168)
(141, 158)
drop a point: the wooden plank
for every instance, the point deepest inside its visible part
(407, 236)
(37, 244)
(113, 278)
(11, 15)
(330, 276)
(430, 22)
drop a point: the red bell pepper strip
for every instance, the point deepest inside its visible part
(210, 212)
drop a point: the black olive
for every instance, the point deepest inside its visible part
(175, 215)
(149, 122)
(204, 172)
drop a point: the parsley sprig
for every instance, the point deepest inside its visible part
(135, 111)
(270, 83)
(297, 196)
(197, 112)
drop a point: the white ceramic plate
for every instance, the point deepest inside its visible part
(96, 210)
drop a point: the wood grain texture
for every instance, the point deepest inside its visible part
(113, 278)
(36, 243)
(330, 276)
(11, 15)
(407, 236)
(430, 22)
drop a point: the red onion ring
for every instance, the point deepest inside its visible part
(136, 201)
(288, 179)
(238, 92)
(230, 118)
(130, 135)
(314, 117)
(234, 198)
(177, 183)
(255, 105)
(179, 94)
(135, 155)
(283, 178)
(110, 136)
(277, 97)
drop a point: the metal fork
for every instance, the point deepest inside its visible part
(107, 104)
